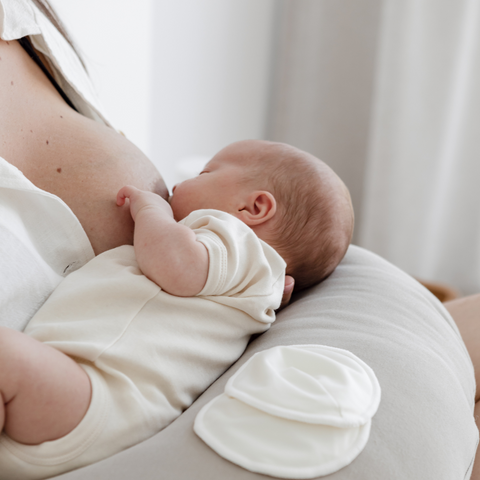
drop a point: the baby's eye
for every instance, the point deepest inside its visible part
(205, 171)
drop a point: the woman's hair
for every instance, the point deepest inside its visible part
(49, 12)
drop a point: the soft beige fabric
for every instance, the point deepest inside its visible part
(424, 427)
(152, 353)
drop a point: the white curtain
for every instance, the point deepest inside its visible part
(388, 93)
(421, 206)
(322, 81)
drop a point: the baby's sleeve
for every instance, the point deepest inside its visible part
(242, 268)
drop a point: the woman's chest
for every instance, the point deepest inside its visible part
(81, 161)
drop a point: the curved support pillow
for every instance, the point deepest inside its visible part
(424, 427)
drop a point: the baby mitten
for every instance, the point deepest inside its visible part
(297, 411)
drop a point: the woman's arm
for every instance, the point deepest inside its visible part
(167, 252)
(466, 313)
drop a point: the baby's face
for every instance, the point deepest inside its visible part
(218, 186)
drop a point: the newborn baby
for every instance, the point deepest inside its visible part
(131, 339)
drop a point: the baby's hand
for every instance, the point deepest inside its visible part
(141, 200)
(167, 252)
(287, 291)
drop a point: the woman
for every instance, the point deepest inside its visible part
(80, 160)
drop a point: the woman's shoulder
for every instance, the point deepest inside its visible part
(22, 18)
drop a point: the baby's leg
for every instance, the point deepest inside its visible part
(44, 393)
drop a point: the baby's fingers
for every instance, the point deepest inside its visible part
(123, 193)
(287, 291)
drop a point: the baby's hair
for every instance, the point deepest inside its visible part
(315, 224)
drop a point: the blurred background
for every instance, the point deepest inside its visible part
(386, 92)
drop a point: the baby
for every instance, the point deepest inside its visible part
(130, 340)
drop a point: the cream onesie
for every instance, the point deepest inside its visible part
(149, 354)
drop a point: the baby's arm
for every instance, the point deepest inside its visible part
(167, 252)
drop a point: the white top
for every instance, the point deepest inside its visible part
(19, 18)
(41, 240)
(171, 348)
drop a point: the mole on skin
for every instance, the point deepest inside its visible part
(59, 170)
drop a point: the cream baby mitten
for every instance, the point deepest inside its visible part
(297, 411)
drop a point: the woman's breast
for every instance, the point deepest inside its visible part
(81, 161)
(85, 164)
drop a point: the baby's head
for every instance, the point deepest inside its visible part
(291, 199)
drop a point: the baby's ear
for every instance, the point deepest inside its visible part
(259, 207)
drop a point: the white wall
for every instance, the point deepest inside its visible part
(324, 83)
(181, 78)
(211, 76)
(115, 41)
